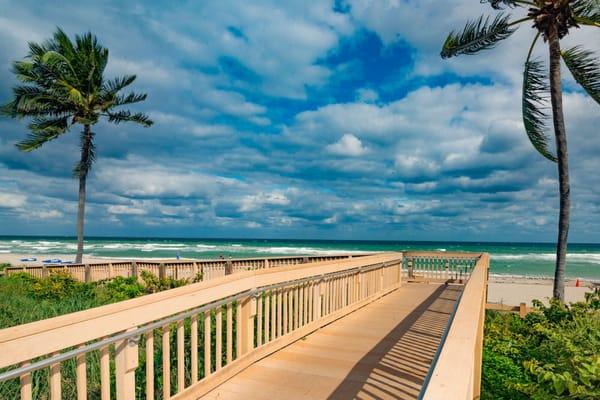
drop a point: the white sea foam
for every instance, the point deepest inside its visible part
(592, 258)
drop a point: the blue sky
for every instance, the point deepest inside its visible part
(296, 119)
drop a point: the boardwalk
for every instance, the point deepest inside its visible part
(382, 351)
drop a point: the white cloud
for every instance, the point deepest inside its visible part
(255, 202)
(348, 145)
(125, 210)
(12, 200)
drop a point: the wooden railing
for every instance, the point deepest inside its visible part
(184, 269)
(185, 341)
(456, 266)
(456, 370)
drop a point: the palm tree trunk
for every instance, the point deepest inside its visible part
(563, 166)
(86, 143)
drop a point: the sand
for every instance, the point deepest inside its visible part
(515, 293)
(14, 259)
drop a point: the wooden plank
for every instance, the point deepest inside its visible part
(207, 347)
(25, 382)
(166, 362)
(229, 329)
(55, 382)
(219, 338)
(267, 327)
(259, 321)
(285, 310)
(180, 356)
(194, 348)
(273, 315)
(149, 347)
(81, 376)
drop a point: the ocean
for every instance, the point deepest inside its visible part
(519, 259)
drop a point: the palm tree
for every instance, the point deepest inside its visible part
(552, 20)
(63, 85)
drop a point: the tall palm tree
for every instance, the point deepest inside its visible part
(552, 20)
(64, 85)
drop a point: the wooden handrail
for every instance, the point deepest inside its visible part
(178, 269)
(456, 374)
(24, 342)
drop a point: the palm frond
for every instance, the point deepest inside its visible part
(501, 4)
(585, 68)
(33, 101)
(117, 84)
(130, 99)
(43, 130)
(534, 103)
(587, 12)
(127, 116)
(479, 34)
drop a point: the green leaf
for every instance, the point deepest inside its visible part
(585, 69)
(130, 99)
(43, 130)
(534, 102)
(559, 384)
(118, 84)
(587, 12)
(477, 35)
(127, 116)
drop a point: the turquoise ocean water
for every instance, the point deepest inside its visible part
(529, 259)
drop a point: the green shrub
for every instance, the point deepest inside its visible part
(118, 289)
(155, 284)
(550, 354)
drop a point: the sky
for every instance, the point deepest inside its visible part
(300, 119)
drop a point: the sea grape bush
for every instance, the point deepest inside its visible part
(553, 353)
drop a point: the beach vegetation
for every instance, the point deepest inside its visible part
(25, 298)
(552, 353)
(63, 86)
(551, 20)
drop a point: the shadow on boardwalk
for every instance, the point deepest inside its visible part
(396, 367)
(381, 351)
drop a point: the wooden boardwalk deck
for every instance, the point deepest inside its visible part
(382, 351)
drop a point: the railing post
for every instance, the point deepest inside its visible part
(126, 362)
(410, 268)
(248, 315)
(447, 268)
(87, 273)
(194, 270)
(44, 271)
(522, 310)
(228, 267)
(317, 301)
(134, 269)
(266, 263)
(304, 260)
(111, 272)
(162, 271)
